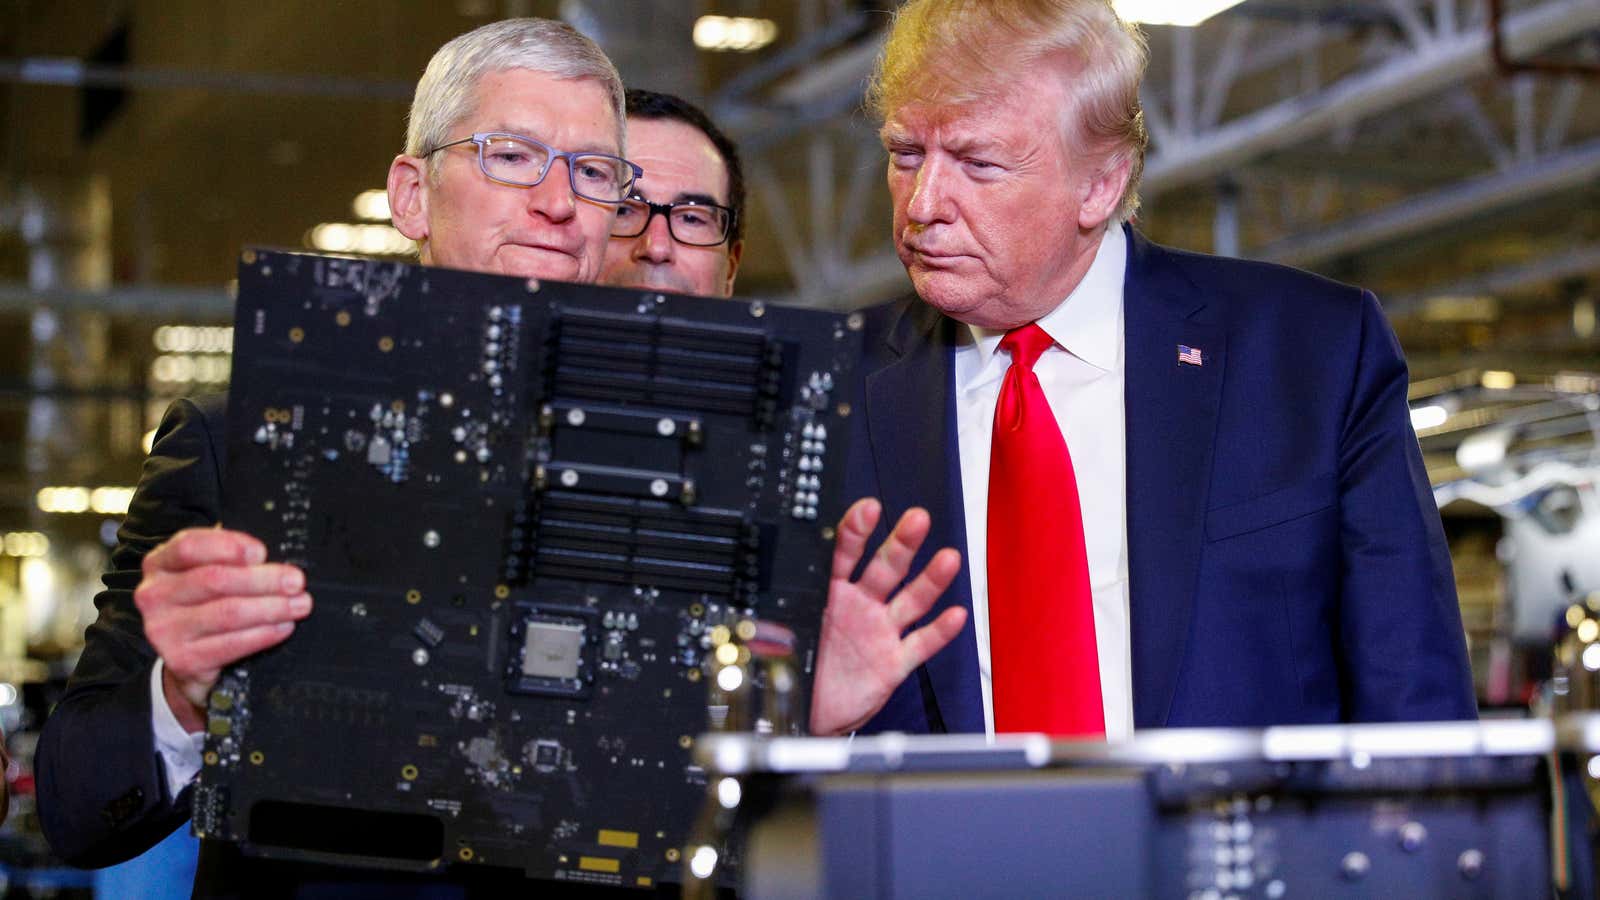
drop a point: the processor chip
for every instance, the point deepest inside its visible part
(552, 650)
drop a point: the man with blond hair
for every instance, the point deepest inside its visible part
(513, 164)
(1176, 490)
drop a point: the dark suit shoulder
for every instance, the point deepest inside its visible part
(1246, 285)
(102, 792)
(897, 327)
(181, 483)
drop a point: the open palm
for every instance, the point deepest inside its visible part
(864, 652)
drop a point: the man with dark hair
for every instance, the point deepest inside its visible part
(683, 229)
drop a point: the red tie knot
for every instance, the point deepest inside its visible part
(1026, 344)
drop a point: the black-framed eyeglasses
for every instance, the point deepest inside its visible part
(688, 221)
(522, 161)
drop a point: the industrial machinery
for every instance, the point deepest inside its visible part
(1447, 809)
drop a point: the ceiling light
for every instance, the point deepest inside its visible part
(371, 239)
(194, 339)
(63, 499)
(371, 205)
(1430, 416)
(1496, 380)
(24, 543)
(335, 237)
(1483, 451)
(1583, 318)
(1576, 383)
(735, 33)
(38, 582)
(191, 368)
(1171, 12)
(1468, 308)
(106, 501)
(110, 501)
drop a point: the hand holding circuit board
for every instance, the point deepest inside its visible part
(210, 599)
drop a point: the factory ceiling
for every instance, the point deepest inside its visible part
(1381, 142)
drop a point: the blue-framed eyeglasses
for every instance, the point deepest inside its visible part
(522, 161)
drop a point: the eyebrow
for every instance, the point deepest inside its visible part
(981, 146)
(697, 198)
(889, 135)
(692, 197)
(959, 144)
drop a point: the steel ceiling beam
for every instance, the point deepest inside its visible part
(70, 72)
(171, 302)
(1574, 168)
(1572, 262)
(1446, 61)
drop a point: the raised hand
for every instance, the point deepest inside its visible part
(864, 653)
(209, 599)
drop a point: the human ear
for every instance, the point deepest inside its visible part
(1103, 192)
(735, 252)
(408, 196)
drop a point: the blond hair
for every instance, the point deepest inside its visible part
(955, 52)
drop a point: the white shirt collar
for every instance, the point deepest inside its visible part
(1086, 324)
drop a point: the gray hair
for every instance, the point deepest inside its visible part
(447, 91)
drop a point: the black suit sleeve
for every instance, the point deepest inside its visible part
(102, 789)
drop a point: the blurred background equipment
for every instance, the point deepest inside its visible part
(1526, 448)
(1443, 153)
(1424, 809)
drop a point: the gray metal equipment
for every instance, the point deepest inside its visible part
(1469, 809)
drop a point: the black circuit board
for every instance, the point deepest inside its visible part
(521, 508)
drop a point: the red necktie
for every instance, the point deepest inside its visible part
(1046, 671)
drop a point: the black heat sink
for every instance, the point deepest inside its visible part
(620, 540)
(638, 361)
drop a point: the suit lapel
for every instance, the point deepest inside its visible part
(911, 420)
(1171, 411)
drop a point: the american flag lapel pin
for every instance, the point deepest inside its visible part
(1190, 356)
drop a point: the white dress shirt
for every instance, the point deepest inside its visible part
(1082, 377)
(179, 750)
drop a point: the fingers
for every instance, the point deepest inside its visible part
(855, 526)
(893, 560)
(209, 599)
(202, 659)
(920, 645)
(174, 631)
(244, 613)
(916, 598)
(194, 547)
(207, 582)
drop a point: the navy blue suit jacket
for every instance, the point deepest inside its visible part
(1286, 559)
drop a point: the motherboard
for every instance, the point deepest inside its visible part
(524, 509)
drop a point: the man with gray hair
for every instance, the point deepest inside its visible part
(1185, 488)
(513, 164)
